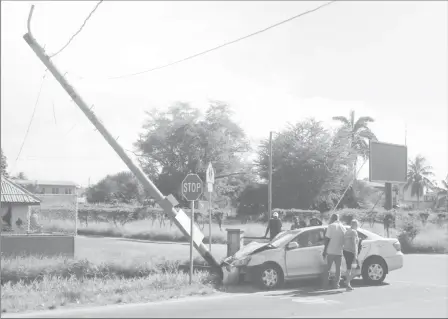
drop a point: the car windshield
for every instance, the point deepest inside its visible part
(282, 239)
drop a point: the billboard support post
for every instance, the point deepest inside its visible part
(388, 191)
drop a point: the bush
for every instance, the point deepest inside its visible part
(116, 214)
(288, 214)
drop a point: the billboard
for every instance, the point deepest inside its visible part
(388, 163)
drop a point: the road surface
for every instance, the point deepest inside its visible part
(420, 290)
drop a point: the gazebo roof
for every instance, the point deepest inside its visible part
(11, 193)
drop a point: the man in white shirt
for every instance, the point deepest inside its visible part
(334, 243)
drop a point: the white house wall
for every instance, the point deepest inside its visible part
(18, 211)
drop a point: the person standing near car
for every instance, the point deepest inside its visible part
(334, 243)
(350, 252)
(274, 226)
(295, 224)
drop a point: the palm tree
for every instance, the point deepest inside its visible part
(418, 178)
(357, 132)
(443, 193)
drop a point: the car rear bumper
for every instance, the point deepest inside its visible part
(394, 262)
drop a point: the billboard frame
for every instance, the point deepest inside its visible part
(370, 162)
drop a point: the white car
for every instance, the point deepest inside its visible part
(297, 254)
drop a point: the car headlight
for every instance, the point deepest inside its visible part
(241, 262)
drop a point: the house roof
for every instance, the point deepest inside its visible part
(14, 193)
(45, 183)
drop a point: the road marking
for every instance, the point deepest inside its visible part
(311, 300)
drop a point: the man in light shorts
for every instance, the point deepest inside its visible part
(334, 243)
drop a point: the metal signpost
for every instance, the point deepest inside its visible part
(210, 179)
(192, 188)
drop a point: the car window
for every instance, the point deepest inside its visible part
(282, 239)
(365, 234)
(302, 239)
(316, 237)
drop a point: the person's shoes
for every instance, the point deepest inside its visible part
(350, 288)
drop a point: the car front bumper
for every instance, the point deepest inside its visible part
(395, 262)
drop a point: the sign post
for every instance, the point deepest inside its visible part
(210, 179)
(192, 189)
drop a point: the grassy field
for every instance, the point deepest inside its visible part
(104, 271)
(431, 238)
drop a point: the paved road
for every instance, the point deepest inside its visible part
(420, 290)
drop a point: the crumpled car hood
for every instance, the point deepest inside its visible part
(245, 251)
(248, 249)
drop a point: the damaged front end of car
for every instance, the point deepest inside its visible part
(235, 267)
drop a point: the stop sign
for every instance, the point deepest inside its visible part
(192, 187)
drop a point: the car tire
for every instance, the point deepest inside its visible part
(270, 276)
(374, 271)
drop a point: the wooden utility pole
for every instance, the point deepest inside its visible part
(167, 203)
(270, 177)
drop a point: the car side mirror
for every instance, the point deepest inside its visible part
(293, 245)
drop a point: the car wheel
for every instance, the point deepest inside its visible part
(374, 271)
(270, 276)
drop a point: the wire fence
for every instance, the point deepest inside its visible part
(55, 216)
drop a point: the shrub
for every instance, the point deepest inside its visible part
(288, 214)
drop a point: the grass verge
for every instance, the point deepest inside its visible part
(33, 283)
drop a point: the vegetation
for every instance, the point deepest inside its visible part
(49, 283)
(357, 132)
(418, 179)
(309, 166)
(3, 164)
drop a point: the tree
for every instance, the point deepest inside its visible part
(418, 177)
(3, 164)
(309, 166)
(358, 132)
(122, 187)
(442, 193)
(20, 175)
(181, 141)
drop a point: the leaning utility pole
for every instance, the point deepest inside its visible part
(167, 203)
(270, 177)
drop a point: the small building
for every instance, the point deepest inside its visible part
(52, 193)
(50, 187)
(15, 205)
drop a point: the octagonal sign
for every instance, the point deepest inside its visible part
(192, 187)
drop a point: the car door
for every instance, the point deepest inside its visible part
(306, 260)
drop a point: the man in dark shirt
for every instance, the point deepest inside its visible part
(274, 226)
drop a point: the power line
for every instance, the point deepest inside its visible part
(80, 29)
(225, 44)
(31, 120)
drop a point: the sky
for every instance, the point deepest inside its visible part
(383, 59)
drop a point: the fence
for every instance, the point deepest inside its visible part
(56, 215)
